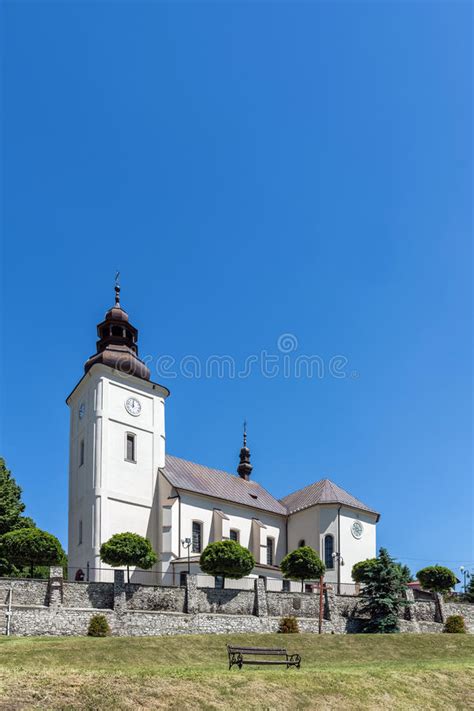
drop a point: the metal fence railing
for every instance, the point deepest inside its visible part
(137, 575)
(211, 581)
(170, 577)
(352, 589)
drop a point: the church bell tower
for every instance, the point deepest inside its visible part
(117, 444)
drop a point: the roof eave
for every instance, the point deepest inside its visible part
(334, 503)
(220, 498)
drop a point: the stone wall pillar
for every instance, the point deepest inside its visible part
(55, 586)
(261, 605)
(191, 601)
(440, 614)
(410, 611)
(120, 600)
(329, 610)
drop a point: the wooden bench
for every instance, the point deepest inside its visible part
(236, 656)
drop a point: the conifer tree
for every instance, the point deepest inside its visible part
(383, 594)
(11, 505)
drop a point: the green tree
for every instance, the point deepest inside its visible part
(227, 558)
(436, 578)
(128, 549)
(11, 505)
(406, 573)
(383, 594)
(302, 564)
(31, 546)
(361, 569)
(469, 595)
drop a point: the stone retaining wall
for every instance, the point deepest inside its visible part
(25, 592)
(230, 602)
(96, 595)
(55, 607)
(283, 604)
(143, 597)
(425, 611)
(464, 609)
(71, 622)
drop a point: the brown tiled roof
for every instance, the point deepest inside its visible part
(221, 485)
(322, 492)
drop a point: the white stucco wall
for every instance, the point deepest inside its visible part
(315, 523)
(304, 525)
(353, 549)
(200, 508)
(107, 493)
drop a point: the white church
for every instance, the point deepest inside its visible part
(121, 479)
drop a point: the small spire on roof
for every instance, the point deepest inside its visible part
(117, 288)
(245, 468)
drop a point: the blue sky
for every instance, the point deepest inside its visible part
(253, 169)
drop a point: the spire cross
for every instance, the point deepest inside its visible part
(117, 288)
(245, 433)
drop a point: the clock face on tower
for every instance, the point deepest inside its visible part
(357, 529)
(133, 406)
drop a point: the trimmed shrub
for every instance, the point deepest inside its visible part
(455, 625)
(32, 547)
(227, 558)
(98, 626)
(302, 564)
(128, 549)
(436, 578)
(289, 625)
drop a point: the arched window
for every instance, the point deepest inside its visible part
(328, 551)
(302, 543)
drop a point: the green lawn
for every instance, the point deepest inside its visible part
(338, 672)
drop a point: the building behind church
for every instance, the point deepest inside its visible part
(121, 479)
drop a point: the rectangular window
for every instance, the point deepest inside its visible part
(219, 582)
(80, 533)
(197, 537)
(234, 535)
(182, 579)
(286, 586)
(269, 551)
(81, 453)
(130, 440)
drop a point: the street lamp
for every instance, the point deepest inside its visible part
(186, 543)
(340, 561)
(466, 576)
